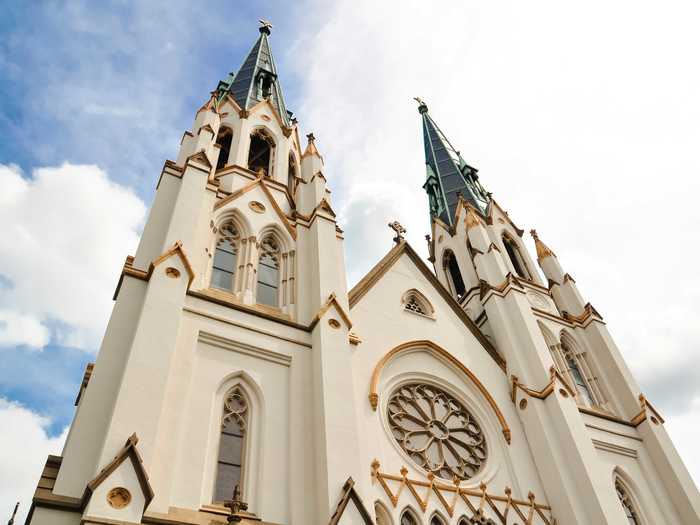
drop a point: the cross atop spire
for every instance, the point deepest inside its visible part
(448, 175)
(256, 80)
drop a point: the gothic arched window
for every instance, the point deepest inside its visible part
(516, 257)
(382, 516)
(454, 276)
(234, 425)
(225, 255)
(269, 272)
(627, 504)
(414, 301)
(224, 142)
(574, 365)
(408, 518)
(260, 155)
(436, 520)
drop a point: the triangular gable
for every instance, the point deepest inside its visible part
(127, 451)
(492, 206)
(349, 496)
(330, 302)
(252, 185)
(385, 264)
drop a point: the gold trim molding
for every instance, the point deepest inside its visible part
(440, 352)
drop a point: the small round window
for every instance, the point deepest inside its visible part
(436, 431)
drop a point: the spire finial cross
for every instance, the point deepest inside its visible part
(422, 106)
(310, 137)
(400, 230)
(265, 26)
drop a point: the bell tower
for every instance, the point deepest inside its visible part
(567, 376)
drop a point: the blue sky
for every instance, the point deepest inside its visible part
(582, 119)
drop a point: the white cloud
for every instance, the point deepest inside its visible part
(21, 330)
(581, 125)
(25, 446)
(66, 232)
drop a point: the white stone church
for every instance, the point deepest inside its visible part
(239, 381)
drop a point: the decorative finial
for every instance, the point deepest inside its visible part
(310, 137)
(541, 248)
(265, 26)
(235, 505)
(400, 230)
(14, 514)
(422, 106)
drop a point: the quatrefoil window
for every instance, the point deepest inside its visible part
(436, 431)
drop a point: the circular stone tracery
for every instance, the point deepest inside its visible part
(436, 431)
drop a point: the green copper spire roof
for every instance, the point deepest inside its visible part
(448, 175)
(256, 79)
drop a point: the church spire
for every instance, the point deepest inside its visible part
(448, 175)
(256, 80)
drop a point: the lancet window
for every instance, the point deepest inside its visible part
(261, 153)
(269, 272)
(574, 366)
(628, 506)
(223, 140)
(382, 516)
(454, 276)
(225, 256)
(516, 258)
(435, 520)
(235, 423)
(407, 518)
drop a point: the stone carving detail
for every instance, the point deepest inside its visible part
(436, 431)
(537, 300)
(118, 497)
(236, 407)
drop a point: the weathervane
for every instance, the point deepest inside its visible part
(419, 100)
(400, 230)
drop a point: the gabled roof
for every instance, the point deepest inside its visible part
(243, 85)
(349, 494)
(385, 264)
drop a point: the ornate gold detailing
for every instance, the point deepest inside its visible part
(171, 272)
(348, 493)
(257, 207)
(354, 339)
(441, 353)
(451, 496)
(472, 218)
(588, 313)
(545, 392)
(437, 431)
(542, 249)
(311, 147)
(646, 407)
(399, 230)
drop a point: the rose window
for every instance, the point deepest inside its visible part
(436, 431)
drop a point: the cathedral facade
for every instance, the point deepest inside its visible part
(240, 381)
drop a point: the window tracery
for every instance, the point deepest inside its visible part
(627, 504)
(235, 422)
(436, 431)
(225, 256)
(414, 301)
(269, 272)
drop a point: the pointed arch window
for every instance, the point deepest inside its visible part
(407, 518)
(583, 391)
(382, 516)
(232, 441)
(225, 256)
(454, 276)
(516, 258)
(436, 520)
(261, 153)
(414, 301)
(269, 272)
(223, 140)
(627, 505)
